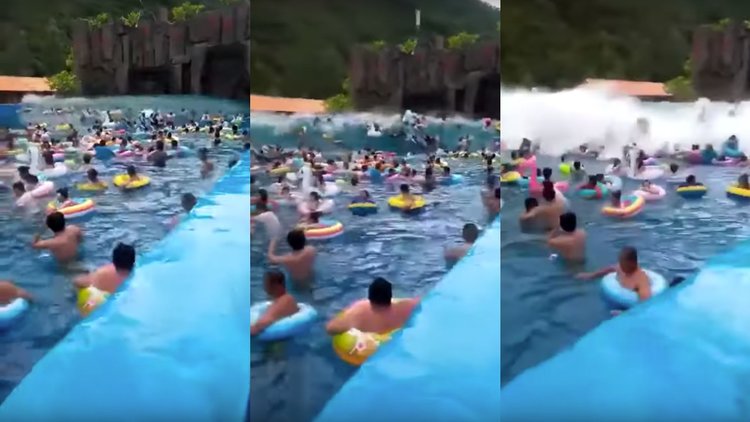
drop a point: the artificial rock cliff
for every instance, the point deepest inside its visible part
(432, 79)
(720, 62)
(206, 55)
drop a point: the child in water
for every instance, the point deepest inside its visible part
(743, 181)
(616, 199)
(364, 196)
(690, 181)
(63, 198)
(282, 303)
(133, 175)
(406, 197)
(647, 187)
(93, 179)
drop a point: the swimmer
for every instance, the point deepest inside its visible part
(673, 169)
(93, 178)
(406, 197)
(10, 292)
(159, 157)
(109, 277)
(743, 181)
(188, 201)
(207, 166)
(364, 196)
(470, 233)
(63, 198)
(577, 172)
(629, 274)
(616, 199)
(133, 175)
(260, 202)
(282, 303)
(378, 314)
(546, 215)
(690, 181)
(648, 187)
(19, 191)
(65, 240)
(493, 202)
(86, 166)
(568, 241)
(590, 184)
(300, 262)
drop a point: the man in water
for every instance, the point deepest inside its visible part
(378, 314)
(569, 241)
(207, 166)
(629, 274)
(547, 214)
(159, 157)
(282, 303)
(64, 243)
(493, 202)
(406, 197)
(470, 234)
(300, 263)
(108, 278)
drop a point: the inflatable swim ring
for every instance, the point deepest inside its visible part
(330, 189)
(649, 173)
(59, 170)
(290, 326)
(90, 187)
(510, 178)
(397, 202)
(354, 346)
(11, 312)
(42, 189)
(562, 186)
(733, 191)
(452, 180)
(280, 171)
(89, 299)
(630, 206)
(692, 192)
(363, 208)
(621, 297)
(123, 181)
(726, 162)
(81, 208)
(599, 192)
(649, 196)
(325, 229)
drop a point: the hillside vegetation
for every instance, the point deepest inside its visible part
(301, 48)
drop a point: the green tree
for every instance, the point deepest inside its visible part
(65, 82)
(342, 101)
(99, 20)
(131, 19)
(186, 11)
(462, 40)
(408, 46)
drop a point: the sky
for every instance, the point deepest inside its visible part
(495, 3)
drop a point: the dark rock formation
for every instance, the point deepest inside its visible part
(433, 79)
(721, 62)
(207, 55)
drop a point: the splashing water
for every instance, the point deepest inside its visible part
(562, 121)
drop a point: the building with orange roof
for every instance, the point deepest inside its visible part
(649, 91)
(13, 88)
(269, 104)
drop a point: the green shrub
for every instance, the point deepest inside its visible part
(186, 11)
(99, 20)
(131, 19)
(461, 40)
(408, 46)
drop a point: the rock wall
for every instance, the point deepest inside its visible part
(433, 79)
(207, 55)
(720, 61)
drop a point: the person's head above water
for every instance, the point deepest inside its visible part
(690, 179)
(592, 180)
(568, 222)
(404, 188)
(274, 283)
(470, 232)
(530, 203)
(315, 196)
(380, 293)
(123, 257)
(56, 222)
(263, 195)
(296, 239)
(628, 260)
(446, 171)
(674, 167)
(616, 162)
(743, 179)
(188, 201)
(63, 194)
(87, 158)
(131, 171)
(549, 195)
(577, 165)
(92, 175)
(546, 173)
(19, 188)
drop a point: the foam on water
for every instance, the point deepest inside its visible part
(563, 120)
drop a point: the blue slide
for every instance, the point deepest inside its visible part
(174, 343)
(445, 364)
(682, 356)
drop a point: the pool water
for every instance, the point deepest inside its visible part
(139, 217)
(545, 310)
(292, 381)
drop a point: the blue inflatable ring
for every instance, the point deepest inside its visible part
(623, 298)
(524, 181)
(455, 178)
(11, 312)
(290, 326)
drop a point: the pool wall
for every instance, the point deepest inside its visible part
(682, 356)
(445, 364)
(174, 343)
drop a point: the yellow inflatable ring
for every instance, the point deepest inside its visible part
(91, 186)
(123, 181)
(355, 346)
(89, 299)
(280, 171)
(737, 192)
(81, 208)
(510, 178)
(398, 203)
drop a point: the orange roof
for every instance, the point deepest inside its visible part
(24, 84)
(631, 88)
(286, 105)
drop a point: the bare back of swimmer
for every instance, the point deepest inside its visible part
(378, 314)
(300, 263)
(64, 243)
